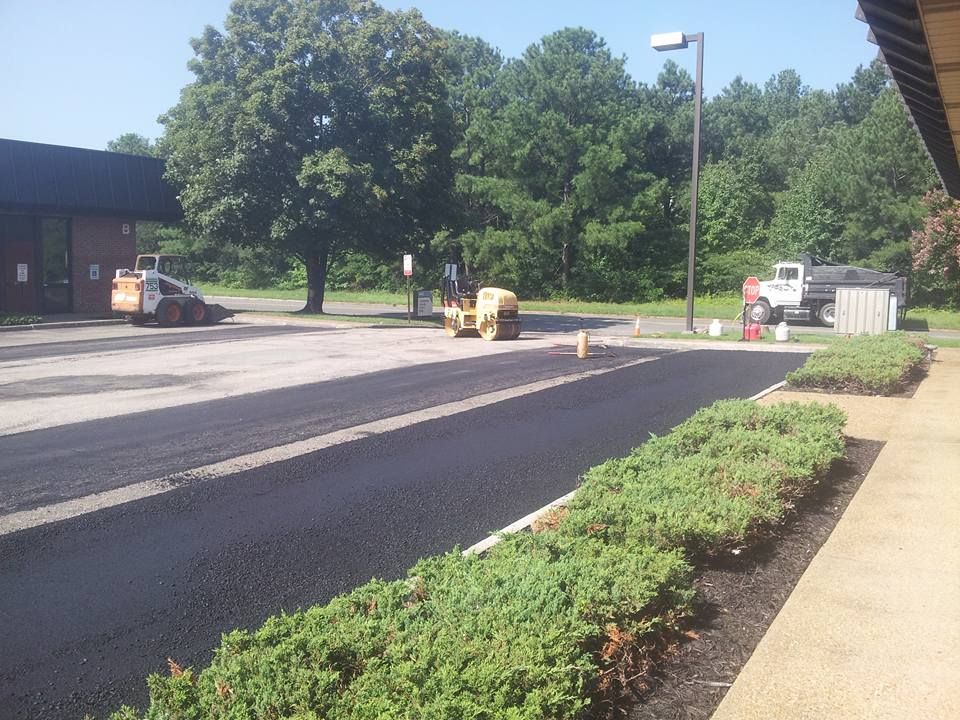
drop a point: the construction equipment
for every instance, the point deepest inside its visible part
(468, 309)
(152, 291)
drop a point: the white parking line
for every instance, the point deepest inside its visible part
(249, 461)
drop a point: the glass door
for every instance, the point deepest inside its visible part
(55, 244)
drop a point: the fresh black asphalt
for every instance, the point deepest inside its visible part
(41, 467)
(91, 605)
(147, 337)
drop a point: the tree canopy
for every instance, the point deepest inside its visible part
(315, 127)
(320, 132)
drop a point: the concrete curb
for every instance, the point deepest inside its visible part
(61, 325)
(527, 520)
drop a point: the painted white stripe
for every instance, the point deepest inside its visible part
(249, 461)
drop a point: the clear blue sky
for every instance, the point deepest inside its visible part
(82, 72)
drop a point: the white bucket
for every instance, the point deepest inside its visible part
(715, 329)
(782, 333)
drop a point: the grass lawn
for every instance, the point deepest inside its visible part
(376, 297)
(724, 307)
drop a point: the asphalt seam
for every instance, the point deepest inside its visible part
(75, 507)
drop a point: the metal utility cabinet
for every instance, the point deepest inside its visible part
(863, 311)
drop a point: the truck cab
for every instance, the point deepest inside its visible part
(786, 297)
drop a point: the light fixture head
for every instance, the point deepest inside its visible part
(668, 41)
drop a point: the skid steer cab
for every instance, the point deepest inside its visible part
(155, 290)
(492, 313)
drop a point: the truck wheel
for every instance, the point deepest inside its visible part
(169, 313)
(828, 314)
(197, 313)
(760, 312)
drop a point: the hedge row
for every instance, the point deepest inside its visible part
(545, 623)
(13, 319)
(866, 364)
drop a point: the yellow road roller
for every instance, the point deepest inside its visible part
(491, 312)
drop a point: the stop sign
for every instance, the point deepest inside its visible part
(751, 290)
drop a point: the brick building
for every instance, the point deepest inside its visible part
(68, 219)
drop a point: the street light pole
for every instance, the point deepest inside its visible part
(677, 41)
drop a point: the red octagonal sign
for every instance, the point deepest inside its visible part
(751, 290)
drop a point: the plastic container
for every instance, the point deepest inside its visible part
(754, 331)
(715, 329)
(782, 332)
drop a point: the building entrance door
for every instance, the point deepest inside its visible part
(18, 265)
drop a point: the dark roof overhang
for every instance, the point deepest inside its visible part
(52, 179)
(902, 30)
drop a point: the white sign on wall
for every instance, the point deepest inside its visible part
(21, 272)
(94, 272)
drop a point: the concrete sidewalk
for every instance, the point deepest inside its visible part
(872, 629)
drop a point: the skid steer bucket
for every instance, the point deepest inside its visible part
(218, 313)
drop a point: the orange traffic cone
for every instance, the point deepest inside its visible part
(636, 327)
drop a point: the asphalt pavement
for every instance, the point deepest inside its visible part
(146, 337)
(533, 321)
(89, 606)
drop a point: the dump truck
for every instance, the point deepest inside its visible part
(807, 290)
(469, 309)
(153, 290)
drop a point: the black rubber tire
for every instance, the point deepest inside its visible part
(827, 315)
(760, 312)
(197, 313)
(169, 313)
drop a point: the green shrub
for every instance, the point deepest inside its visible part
(714, 480)
(14, 319)
(866, 364)
(544, 623)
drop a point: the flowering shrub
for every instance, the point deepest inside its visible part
(936, 249)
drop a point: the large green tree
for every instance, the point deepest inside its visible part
(314, 127)
(133, 144)
(558, 170)
(870, 177)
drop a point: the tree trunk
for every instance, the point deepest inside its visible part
(316, 280)
(567, 258)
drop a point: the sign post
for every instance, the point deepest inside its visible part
(408, 271)
(751, 293)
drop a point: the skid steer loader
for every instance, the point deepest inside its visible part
(469, 309)
(152, 291)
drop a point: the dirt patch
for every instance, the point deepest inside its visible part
(739, 596)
